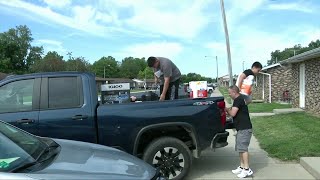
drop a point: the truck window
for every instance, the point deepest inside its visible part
(64, 92)
(16, 96)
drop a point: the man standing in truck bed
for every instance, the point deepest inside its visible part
(168, 74)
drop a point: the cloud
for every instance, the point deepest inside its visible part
(83, 18)
(308, 34)
(256, 45)
(165, 49)
(58, 3)
(51, 45)
(180, 19)
(249, 43)
(291, 7)
(241, 9)
(216, 47)
(109, 18)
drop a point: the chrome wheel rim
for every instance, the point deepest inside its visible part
(170, 161)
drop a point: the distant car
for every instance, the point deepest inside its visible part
(25, 156)
(210, 89)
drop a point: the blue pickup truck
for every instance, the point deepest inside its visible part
(167, 134)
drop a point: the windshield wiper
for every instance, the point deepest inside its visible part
(45, 151)
(24, 166)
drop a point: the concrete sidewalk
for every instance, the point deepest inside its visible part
(218, 164)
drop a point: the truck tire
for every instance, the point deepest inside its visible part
(170, 155)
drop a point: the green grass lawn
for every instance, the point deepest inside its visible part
(225, 93)
(136, 90)
(266, 107)
(27, 99)
(288, 136)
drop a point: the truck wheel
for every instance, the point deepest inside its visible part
(210, 91)
(170, 155)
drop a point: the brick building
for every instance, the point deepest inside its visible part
(280, 78)
(295, 80)
(305, 85)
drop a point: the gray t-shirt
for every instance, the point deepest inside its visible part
(167, 69)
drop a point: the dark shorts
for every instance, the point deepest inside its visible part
(243, 138)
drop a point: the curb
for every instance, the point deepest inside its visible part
(311, 164)
(287, 111)
(261, 114)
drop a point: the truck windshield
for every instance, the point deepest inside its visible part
(17, 147)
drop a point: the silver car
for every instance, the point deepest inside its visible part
(25, 156)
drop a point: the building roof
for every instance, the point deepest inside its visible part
(138, 80)
(225, 76)
(142, 81)
(114, 79)
(270, 66)
(314, 53)
(123, 80)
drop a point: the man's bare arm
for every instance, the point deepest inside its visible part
(241, 78)
(165, 85)
(232, 111)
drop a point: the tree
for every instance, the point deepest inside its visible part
(16, 48)
(52, 62)
(210, 80)
(77, 64)
(4, 60)
(277, 55)
(106, 67)
(130, 67)
(193, 77)
(35, 54)
(147, 72)
(314, 44)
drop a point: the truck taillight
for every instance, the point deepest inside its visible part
(223, 118)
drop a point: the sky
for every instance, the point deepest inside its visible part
(189, 32)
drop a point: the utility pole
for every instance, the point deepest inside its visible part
(227, 42)
(104, 70)
(145, 79)
(242, 65)
(217, 69)
(216, 65)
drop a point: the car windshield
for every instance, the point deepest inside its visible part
(17, 148)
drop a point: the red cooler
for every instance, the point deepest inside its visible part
(202, 93)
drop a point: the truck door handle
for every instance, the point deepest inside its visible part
(80, 117)
(25, 121)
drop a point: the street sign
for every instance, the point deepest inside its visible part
(115, 93)
(115, 87)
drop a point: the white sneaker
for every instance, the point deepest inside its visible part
(237, 171)
(245, 173)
